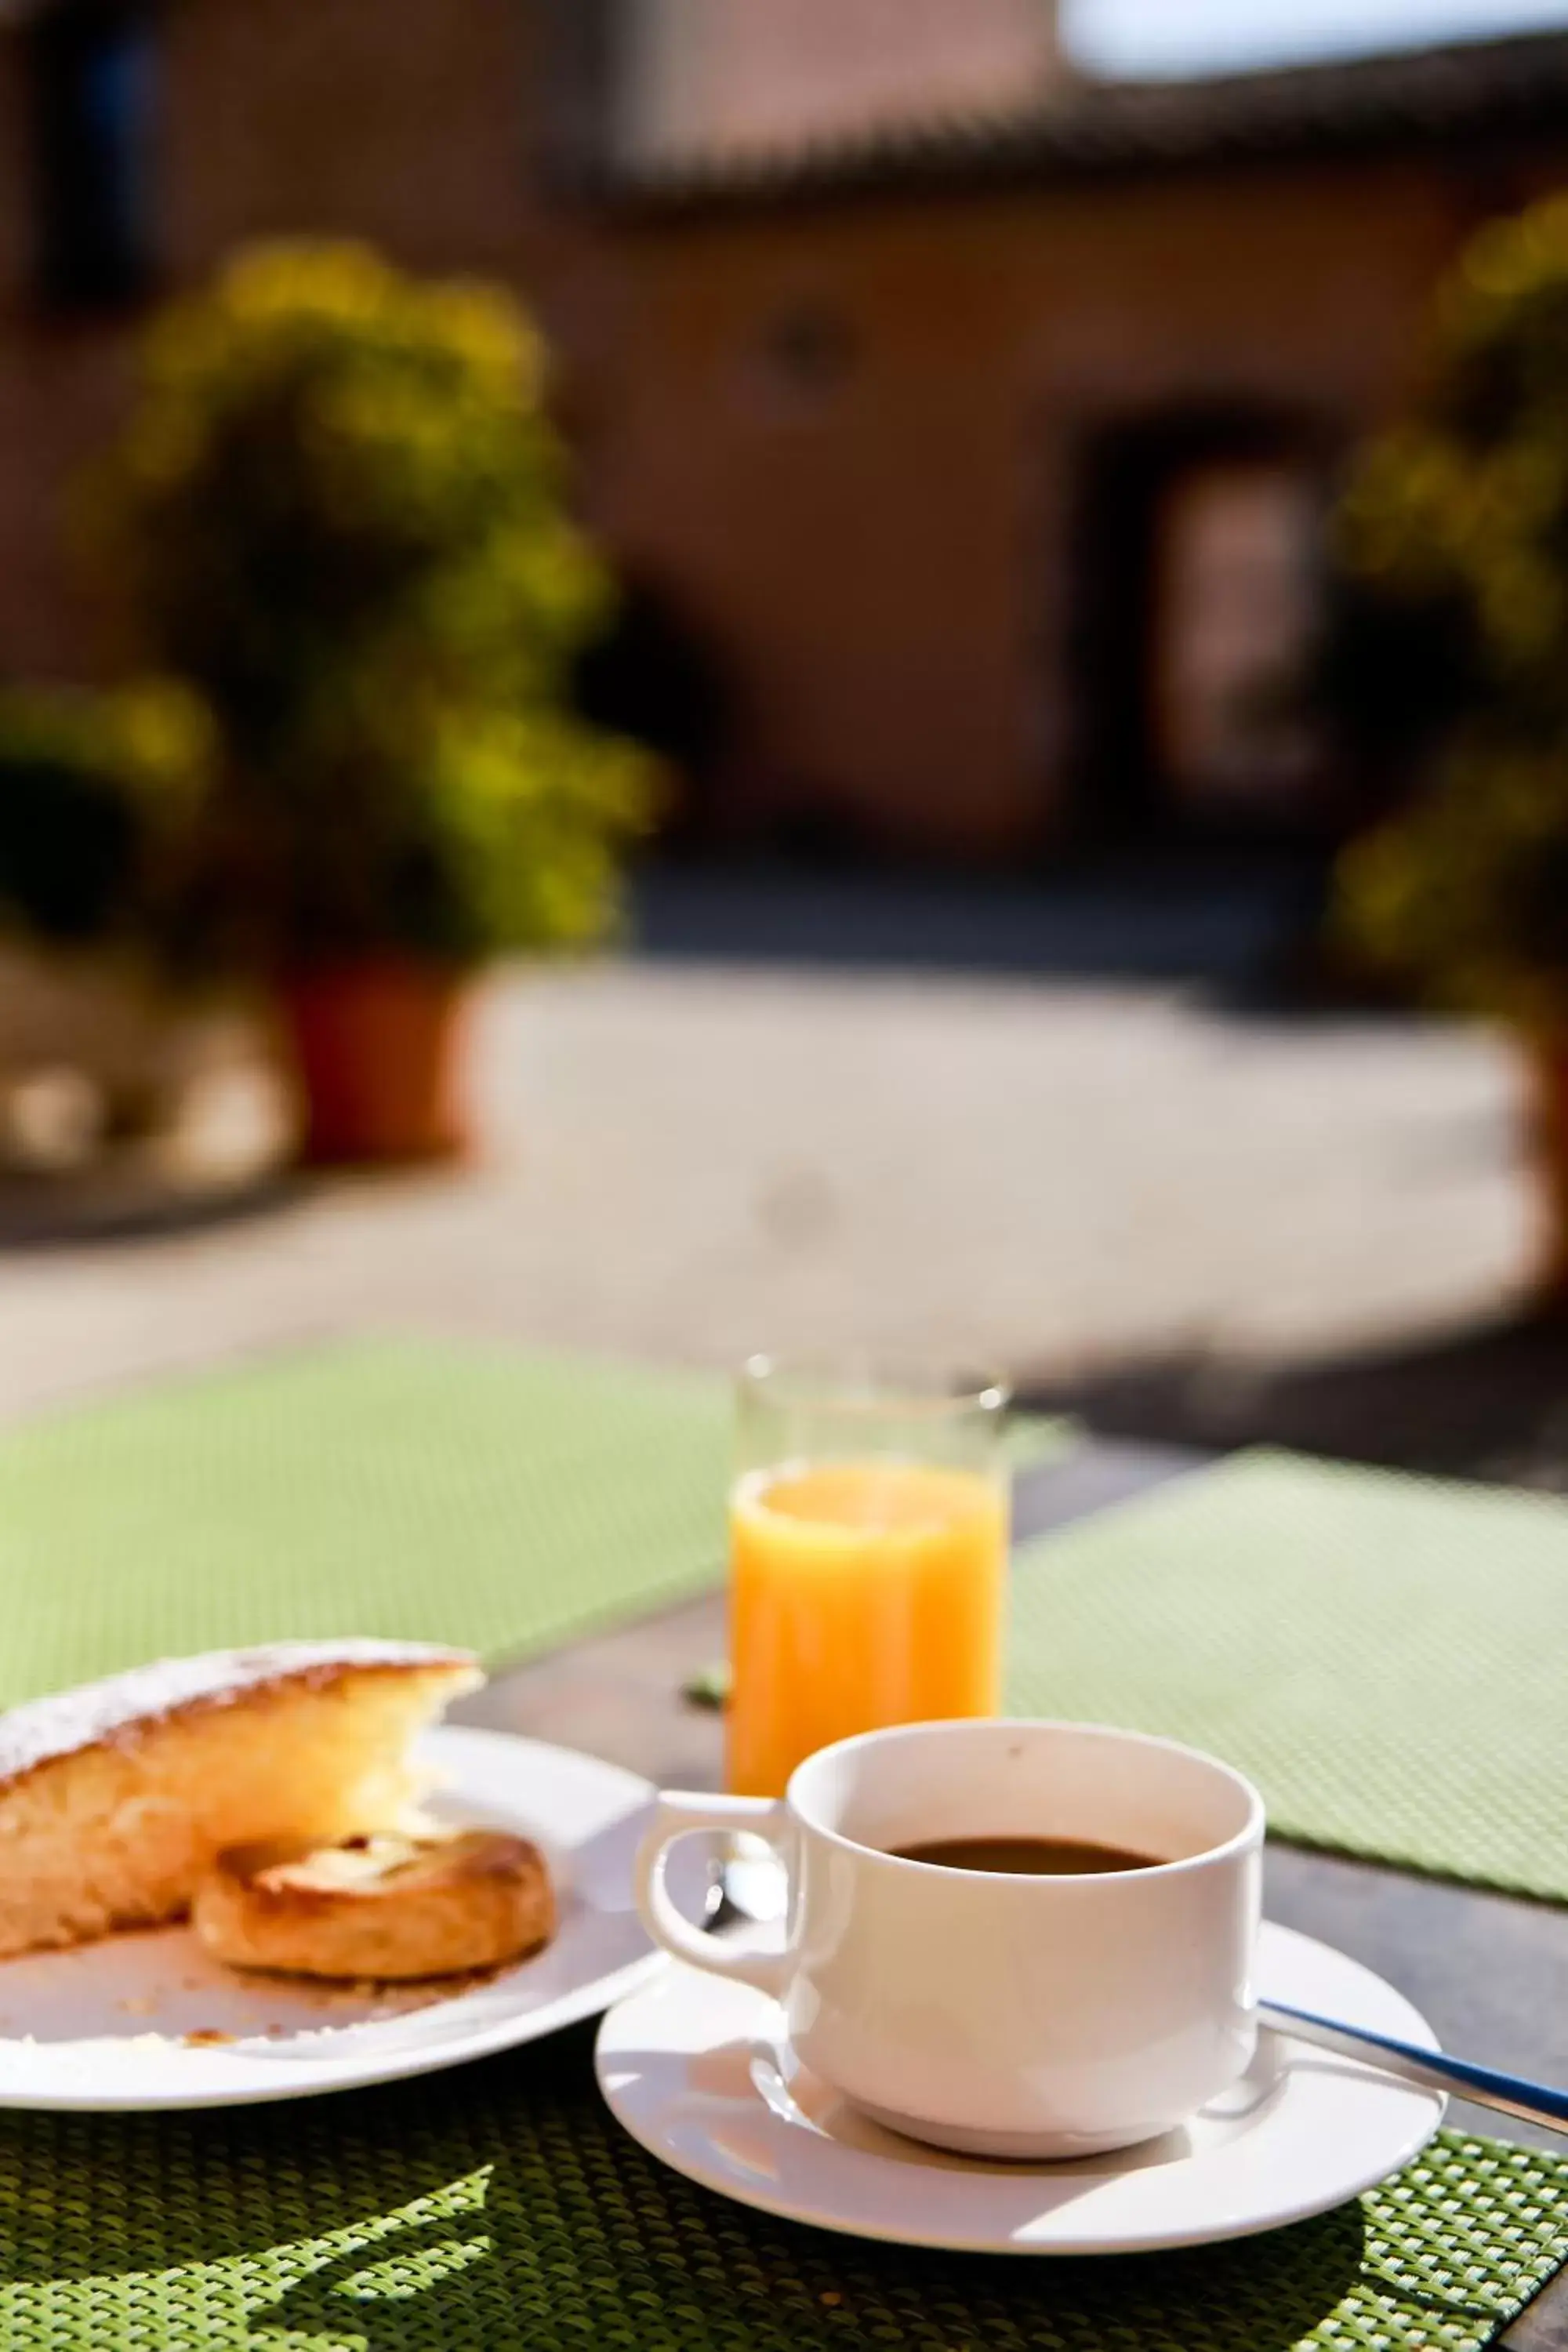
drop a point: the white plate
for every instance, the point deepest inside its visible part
(104, 2026)
(700, 2073)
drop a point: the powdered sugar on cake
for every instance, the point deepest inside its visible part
(113, 1712)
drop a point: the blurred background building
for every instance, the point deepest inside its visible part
(965, 408)
(963, 425)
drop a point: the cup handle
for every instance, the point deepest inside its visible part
(680, 1815)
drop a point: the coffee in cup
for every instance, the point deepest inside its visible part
(999, 2007)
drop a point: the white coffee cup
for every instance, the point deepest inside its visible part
(997, 2013)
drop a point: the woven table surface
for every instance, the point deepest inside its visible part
(431, 1490)
(1384, 1654)
(498, 2209)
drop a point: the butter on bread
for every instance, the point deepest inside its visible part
(429, 1905)
(116, 1798)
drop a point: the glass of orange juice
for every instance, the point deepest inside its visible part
(868, 1527)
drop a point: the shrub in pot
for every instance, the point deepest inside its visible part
(338, 515)
(1453, 535)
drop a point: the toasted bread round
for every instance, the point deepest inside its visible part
(386, 1906)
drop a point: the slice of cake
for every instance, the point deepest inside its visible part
(116, 1798)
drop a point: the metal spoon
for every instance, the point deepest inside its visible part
(1533, 2102)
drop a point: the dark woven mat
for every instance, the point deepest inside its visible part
(498, 2209)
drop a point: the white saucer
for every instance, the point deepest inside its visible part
(106, 2025)
(700, 2073)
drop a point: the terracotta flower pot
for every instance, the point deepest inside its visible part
(379, 1050)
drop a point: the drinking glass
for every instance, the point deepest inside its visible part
(868, 1526)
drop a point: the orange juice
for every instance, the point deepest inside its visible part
(862, 1593)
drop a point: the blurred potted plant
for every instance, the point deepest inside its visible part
(338, 515)
(1454, 538)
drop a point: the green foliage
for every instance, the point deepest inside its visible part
(1454, 534)
(100, 798)
(338, 513)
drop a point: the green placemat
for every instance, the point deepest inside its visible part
(498, 2209)
(1384, 1654)
(430, 1490)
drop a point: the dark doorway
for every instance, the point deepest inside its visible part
(1199, 565)
(652, 674)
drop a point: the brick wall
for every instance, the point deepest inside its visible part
(402, 120)
(727, 77)
(880, 540)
